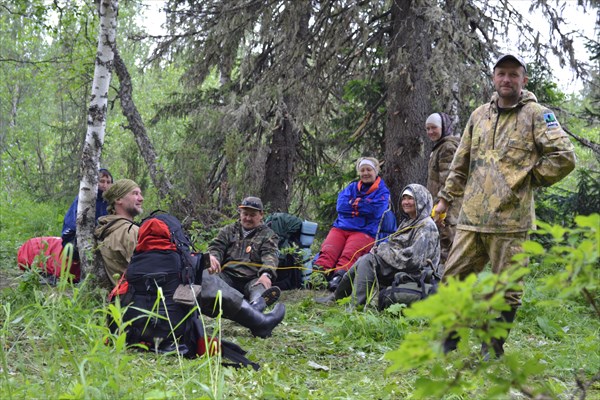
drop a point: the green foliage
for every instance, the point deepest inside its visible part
(22, 218)
(64, 330)
(470, 308)
(560, 206)
(575, 252)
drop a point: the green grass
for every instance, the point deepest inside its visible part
(53, 346)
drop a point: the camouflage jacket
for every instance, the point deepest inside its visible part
(257, 253)
(502, 156)
(117, 238)
(415, 241)
(438, 170)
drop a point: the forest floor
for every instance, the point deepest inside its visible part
(52, 348)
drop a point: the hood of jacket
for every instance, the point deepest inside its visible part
(108, 224)
(526, 97)
(423, 202)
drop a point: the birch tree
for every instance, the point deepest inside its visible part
(94, 140)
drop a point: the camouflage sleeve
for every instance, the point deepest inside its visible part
(445, 158)
(459, 169)
(412, 258)
(269, 254)
(218, 246)
(557, 154)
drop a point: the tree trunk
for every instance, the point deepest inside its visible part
(406, 145)
(94, 140)
(279, 169)
(136, 125)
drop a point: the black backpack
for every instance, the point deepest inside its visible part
(163, 262)
(409, 288)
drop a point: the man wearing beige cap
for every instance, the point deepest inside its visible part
(247, 255)
(116, 231)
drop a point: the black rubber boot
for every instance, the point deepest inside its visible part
(334, 282)
(497, 344)
(267, 298)
(260, 324)
(451, 342)
(259, 304)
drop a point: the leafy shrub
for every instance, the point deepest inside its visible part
(470, 307)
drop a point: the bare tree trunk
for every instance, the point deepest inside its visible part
(279, 169)
(137, 127)
(90, 160)
(408, 103)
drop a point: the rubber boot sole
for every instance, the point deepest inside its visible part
(271, 295)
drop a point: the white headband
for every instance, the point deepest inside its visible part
(367, 162)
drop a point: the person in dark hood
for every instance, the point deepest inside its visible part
(440, 130)
(409, 250)
(69, 229)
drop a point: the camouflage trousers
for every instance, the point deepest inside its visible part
(364, 278)
(447, 234)
(471, 251)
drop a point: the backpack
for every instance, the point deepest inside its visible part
(292, 231)
(45, 253)
(387, 226)
(407, 288)
(163, 260)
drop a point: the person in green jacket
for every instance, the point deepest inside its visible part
(246, 254)
(510, 146)
(116, 231)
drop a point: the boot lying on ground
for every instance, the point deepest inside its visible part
(260, 324)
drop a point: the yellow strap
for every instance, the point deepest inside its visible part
(302, 267)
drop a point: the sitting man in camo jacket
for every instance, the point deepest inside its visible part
(247, 255)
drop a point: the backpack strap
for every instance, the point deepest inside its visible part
(111, 223)
(235, 353)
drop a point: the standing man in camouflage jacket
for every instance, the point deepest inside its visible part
(246, 253)
(510, 146)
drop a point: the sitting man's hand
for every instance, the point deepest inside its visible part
(264, 279)
(215, 265)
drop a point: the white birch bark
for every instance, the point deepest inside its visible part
(90, 160)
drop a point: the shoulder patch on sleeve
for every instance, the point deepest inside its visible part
(550, 120)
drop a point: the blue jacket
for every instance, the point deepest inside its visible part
(70, 221)
(360, 208)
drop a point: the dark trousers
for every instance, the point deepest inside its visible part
(244, 285)
(231, 299)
